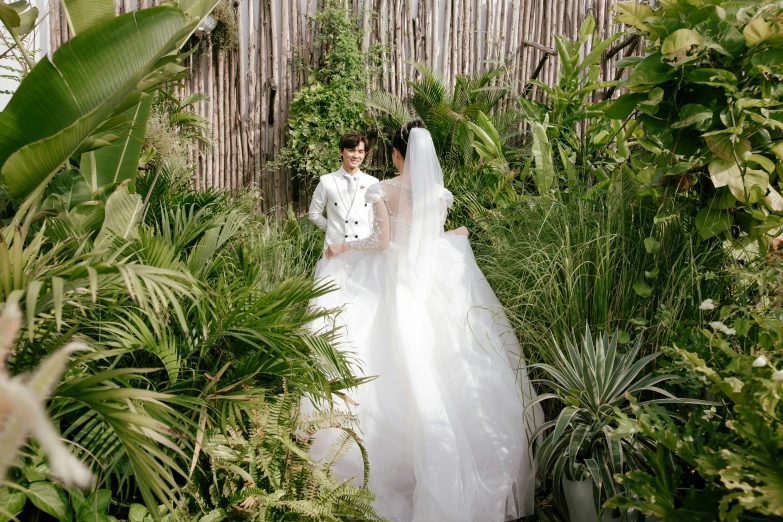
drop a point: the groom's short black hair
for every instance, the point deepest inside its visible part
(352, 140)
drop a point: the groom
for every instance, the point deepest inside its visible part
(341, 193)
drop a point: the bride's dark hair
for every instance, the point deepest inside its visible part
(400, 138)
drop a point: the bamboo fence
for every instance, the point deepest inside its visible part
(249, 88)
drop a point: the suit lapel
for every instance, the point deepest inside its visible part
(342, 190)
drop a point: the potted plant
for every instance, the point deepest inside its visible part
(579, 454)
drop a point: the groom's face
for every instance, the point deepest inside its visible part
(352, 158)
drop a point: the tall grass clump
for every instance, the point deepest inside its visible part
(558, 265)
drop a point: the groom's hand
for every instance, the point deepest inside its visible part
(335, 250)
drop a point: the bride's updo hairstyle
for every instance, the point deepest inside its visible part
(400, 138)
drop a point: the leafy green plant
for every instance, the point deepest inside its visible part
(593, 380)
(173, 127)
(266, 472)
(706, 99)
(736, 448)
(331, 102)
(557, 265)
(569, 133)
(446, 112)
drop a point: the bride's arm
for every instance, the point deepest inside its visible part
(446, 201)
(381, 232)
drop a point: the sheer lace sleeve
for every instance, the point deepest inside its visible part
(446, 202)
(381, 230)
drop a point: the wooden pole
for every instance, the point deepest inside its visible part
(447, 56)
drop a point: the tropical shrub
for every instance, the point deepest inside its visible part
(706, 99)
(569, 133)
(447, 111)
(186, 332)
(331, 102)
(593, 381)
(174, 128)
(267, 474)
(556, 266)
(722, 462)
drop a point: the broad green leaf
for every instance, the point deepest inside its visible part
(713, 77)
(60, 103)
(544, 171)
(696, 115)
(594, 56)
(623, 106)
(682, 46)
(633, 14)
(587, 29)
(774, 200)
(623, 337)
(764, 162)
(726, 145)
(11, 501)
(710, 222)
(651, 274)
(723, 199)
(100, 500)
(71, 186)
(628, 61)
(137, 513)
(760, 30)
(652, 245)
(89, 144)
(83, 14)
(20, 16)
(123, 214)
(650, 72)
(9, 16)
(49, 498)
(642, 289)
(726, 173)
(120, 161)
(86, 217)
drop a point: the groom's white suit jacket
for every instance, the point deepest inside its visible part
(347, 218)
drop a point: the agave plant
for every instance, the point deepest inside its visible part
(592, 384)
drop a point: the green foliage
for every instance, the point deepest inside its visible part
(706, 98)
(174, 128)
(267, 474)
(736, 448)
(447, 113)
(331, 103)
(592, 382)
(556, 266)
(571, 137)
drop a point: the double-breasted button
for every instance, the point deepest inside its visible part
(346, 222)
(355, 222)
(356, 237)
(346, 235)
(335, 203)
(364, 204)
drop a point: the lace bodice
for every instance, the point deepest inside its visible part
(386, 219)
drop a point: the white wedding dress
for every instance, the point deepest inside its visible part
(444, 424)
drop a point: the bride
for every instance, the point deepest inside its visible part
(444, 424)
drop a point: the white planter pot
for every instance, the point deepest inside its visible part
(581, 507)
(579, 499)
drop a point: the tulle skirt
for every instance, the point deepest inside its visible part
(444, 424)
